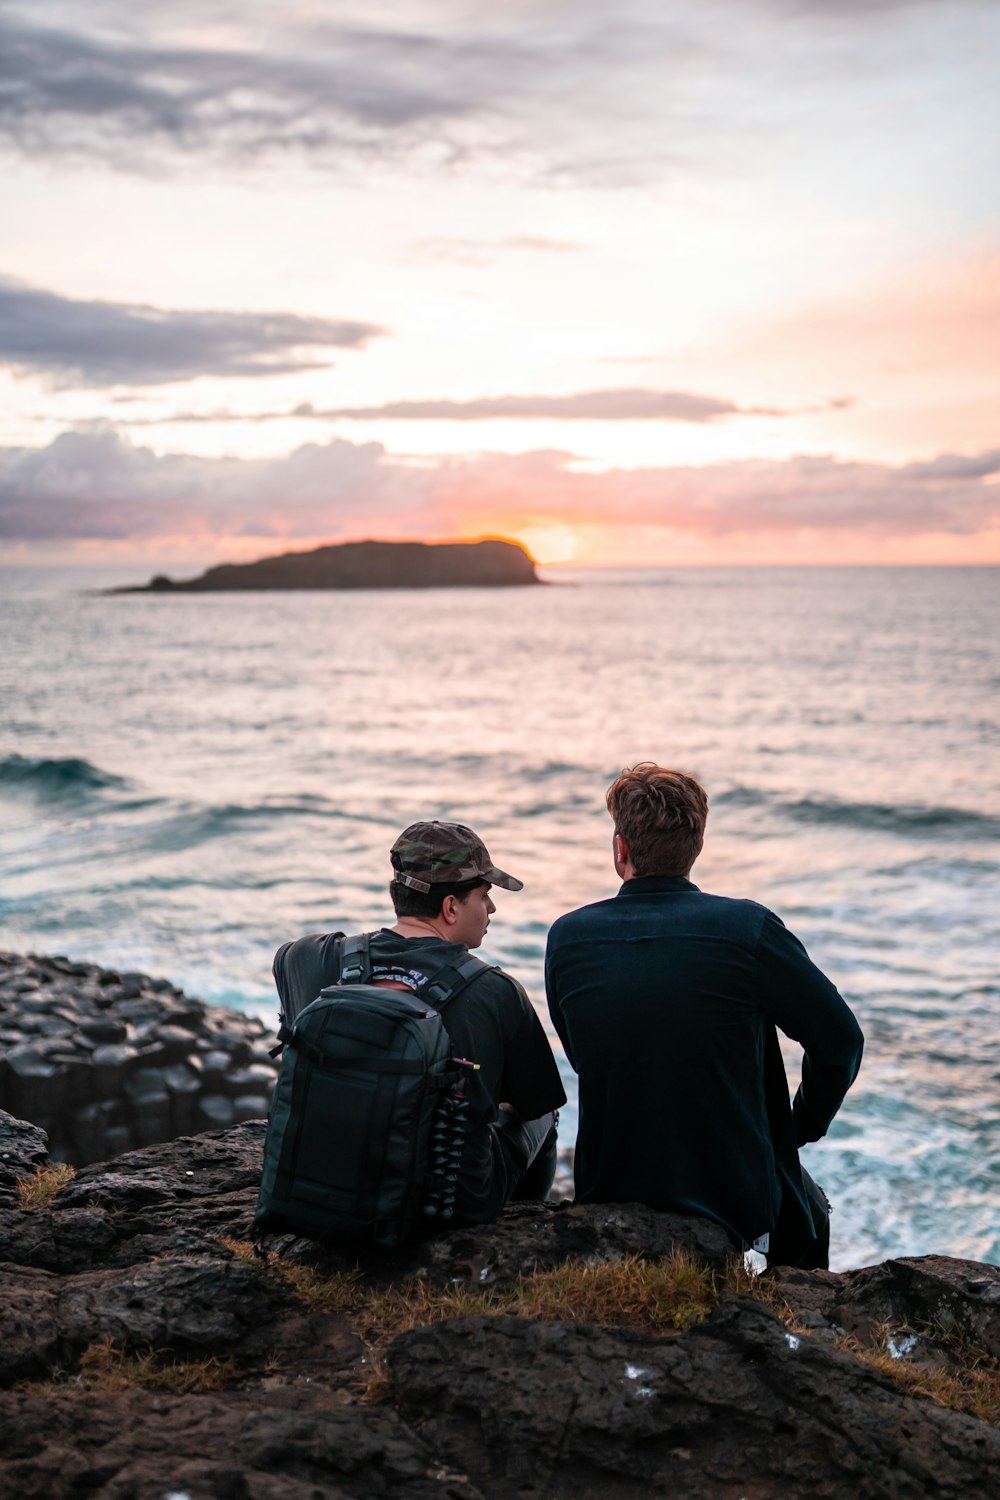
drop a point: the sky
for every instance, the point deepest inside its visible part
(630, 281)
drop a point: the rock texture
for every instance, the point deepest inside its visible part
(367, 565)
(142, 1253)
(734, 1406)
(105, 1062)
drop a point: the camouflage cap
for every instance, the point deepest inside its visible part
(427, 854)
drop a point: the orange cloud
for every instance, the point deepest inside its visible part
(96, 486)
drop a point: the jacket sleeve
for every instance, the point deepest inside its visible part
(552, 997)
(531, 1081)
(802, 1002)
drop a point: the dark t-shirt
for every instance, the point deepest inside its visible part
(666, 1000)
(492, 1022)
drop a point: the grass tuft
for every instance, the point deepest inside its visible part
(652, 1296)
(972, 1387)
(336, 1293)
(39, 1190)
(106, 1368)
(239, 1249)
(673, 1293)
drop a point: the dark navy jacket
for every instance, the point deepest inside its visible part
(666, 1000)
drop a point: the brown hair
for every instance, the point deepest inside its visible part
(661, 816)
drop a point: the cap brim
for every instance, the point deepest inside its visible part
(502, 879)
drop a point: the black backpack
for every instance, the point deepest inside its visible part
(365, 1131)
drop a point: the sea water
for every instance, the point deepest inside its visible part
(186, 782)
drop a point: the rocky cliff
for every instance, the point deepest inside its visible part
(367, 565)
(570, 1353)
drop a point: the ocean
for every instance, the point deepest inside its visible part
(186, 782)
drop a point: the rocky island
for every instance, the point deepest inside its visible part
(601, 1352)
(366, 565)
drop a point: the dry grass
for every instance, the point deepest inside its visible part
(972, 1387)
(336, 1293)
(240, 1249)
(675, 1292)
(105, 1368)
(653, 1296)
(39, 1190)
(331, 1294)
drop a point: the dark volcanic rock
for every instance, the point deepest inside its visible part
(538, 1237)
(23, 1150)
(181, 1193)
(266, 1445)
(932, 1293)
(263, 1379)
(367, 565)
(737, 1406)
(104, 1061)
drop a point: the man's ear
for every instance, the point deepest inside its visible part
(622, 858)
(449, 910)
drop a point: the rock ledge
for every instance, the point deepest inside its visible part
(146, 1352)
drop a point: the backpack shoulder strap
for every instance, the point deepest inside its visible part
(449, 981)
(354, 954)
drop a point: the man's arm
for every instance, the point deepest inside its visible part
(798, 998)
(531, 1084)
(552, 997)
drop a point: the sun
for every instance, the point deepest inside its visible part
(549, 544)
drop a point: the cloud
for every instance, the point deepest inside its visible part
(955, 466)
(97, 485)
(110, 343)
(557, 91)
(239, 88)
(81, 92)
(602, 406)
(616, 405)
(483, 252)
(626, 405)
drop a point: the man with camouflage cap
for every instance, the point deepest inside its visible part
(440, 891)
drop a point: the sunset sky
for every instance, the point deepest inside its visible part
(632, 281)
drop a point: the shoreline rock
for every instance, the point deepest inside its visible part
(106, 1062)
(137, 1271)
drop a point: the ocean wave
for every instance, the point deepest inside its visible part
(199, 825)
(741, 796)
(906, 818)
(59, 777)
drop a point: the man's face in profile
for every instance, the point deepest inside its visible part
(472, 917)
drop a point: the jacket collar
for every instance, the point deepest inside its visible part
(646, 885)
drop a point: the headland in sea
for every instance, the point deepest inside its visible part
(492, 563)
(148, 1348)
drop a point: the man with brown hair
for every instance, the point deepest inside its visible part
(666, 1000)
